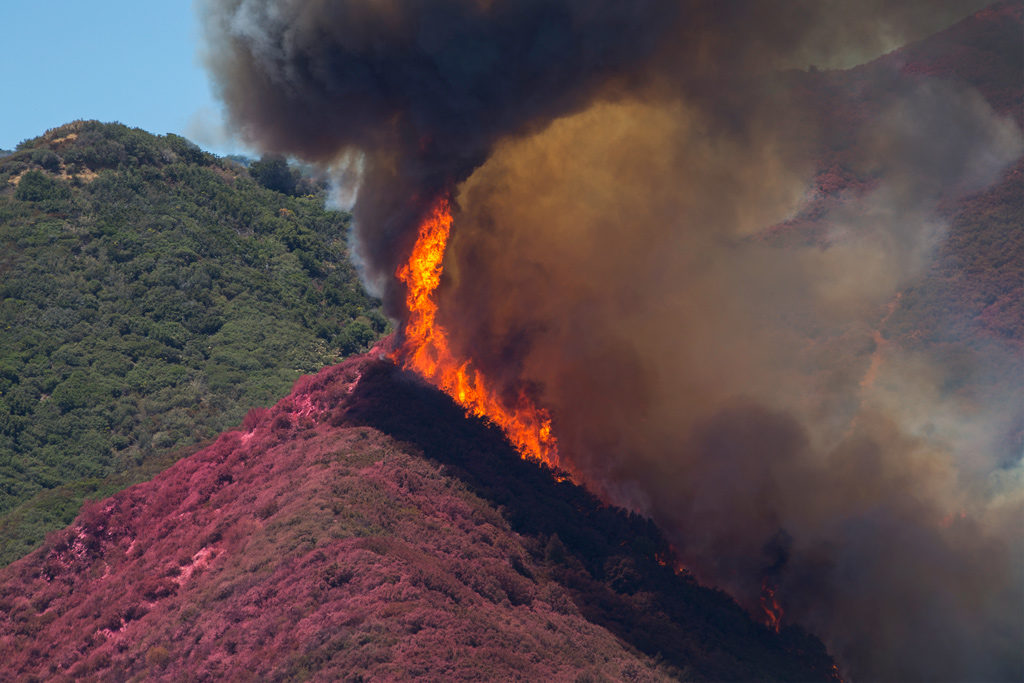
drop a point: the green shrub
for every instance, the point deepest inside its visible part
(47, 159)
(273, 172)
(36, 186)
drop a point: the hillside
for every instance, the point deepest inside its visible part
(151, 294)
(364, 529)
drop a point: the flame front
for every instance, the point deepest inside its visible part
(425, 349)
(772, 608)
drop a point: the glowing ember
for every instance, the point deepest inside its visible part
(772, 608)
(670, 560)
(425, 349)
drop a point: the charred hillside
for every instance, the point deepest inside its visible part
(365, 528)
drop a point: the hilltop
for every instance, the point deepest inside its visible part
(151, 295)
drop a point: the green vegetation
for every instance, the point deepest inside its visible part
(150, 295)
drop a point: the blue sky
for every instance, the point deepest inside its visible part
(114, 60)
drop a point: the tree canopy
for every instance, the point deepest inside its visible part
(151, 294)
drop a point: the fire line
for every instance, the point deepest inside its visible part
(425, 349)
(772, 608)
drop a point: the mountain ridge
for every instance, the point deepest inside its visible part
(311, 542)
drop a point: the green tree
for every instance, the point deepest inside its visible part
(36, 186)
(273, 172)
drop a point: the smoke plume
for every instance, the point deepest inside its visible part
(617, 170)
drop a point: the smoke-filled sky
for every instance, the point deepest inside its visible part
(622, 175)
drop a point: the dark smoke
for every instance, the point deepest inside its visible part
(422, 89)
(615, 165)
(425, 89)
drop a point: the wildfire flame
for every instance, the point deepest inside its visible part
(425, 349)
(772, 608)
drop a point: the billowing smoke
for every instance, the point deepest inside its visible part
(422, 90)
(630, 179)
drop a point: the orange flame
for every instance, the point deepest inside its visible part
(772, 608)
(670, 559)
(425, 349)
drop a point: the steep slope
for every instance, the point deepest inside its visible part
(364, 528)
(151, 294)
